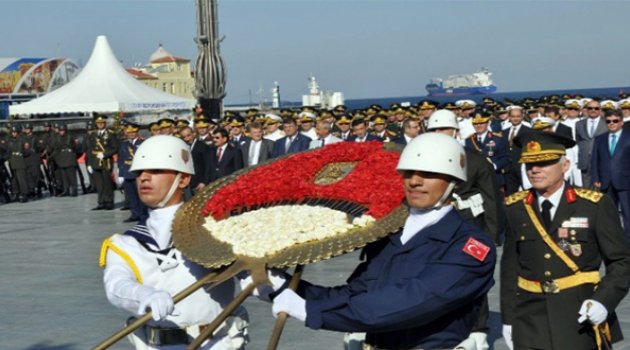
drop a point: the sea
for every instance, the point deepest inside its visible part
(601, 93)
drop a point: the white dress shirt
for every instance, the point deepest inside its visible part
(554, 199)
(254, 152)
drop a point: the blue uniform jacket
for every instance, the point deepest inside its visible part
(424, 294)
(125, 157)
(494, 147)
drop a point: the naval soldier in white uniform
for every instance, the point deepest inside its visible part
(144, 271)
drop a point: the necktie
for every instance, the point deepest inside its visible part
(613, 143)
(591, 128)
(219, 155)
(546, 213)
(252, 150)
(323, 142)
(478, 139)
(287, 145)
(512, 133)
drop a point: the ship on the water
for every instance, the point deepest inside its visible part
(478, 83)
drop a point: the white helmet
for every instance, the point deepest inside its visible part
(163, 152)
(442, 118)
(436, 153)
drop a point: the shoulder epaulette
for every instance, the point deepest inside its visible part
(516, 197)
(590, 195)
(497, 134)
(391, 133)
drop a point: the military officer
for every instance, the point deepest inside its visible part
(490, 144)
(64, 150)
(102, 145)
(126, 153)
(33, 160)
(202, 127)
(343, 124)
(167, 126)
(272, 127)
(379, 122)
(15, 146)
(422, 287)
(552, 294)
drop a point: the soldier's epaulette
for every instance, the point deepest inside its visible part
(590, 195)
(516, 197)
(497, 134)
(391, 133)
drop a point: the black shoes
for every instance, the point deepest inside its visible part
(98, 207)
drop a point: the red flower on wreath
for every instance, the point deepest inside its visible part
(374, 182)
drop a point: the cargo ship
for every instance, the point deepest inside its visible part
(478, 83)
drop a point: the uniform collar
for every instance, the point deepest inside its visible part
(441, 230)
(159, 224)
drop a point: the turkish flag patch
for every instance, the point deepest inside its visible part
(476, 249)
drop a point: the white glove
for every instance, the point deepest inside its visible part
(277, 278)
(100, 156)
(120, 181)
(89, 169)
(593, 311)
(160, 303)
(475, 341)
(507, 336)
(291, 303)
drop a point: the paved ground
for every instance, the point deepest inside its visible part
(52, 298)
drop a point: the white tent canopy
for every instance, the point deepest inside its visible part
(103, 86)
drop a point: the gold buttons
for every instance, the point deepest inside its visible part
(522, 238)
(547, 256)
(547, 273)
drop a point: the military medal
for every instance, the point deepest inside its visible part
(576, 249)
(563, 232)
(564, 245)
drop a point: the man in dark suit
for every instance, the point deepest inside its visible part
(256, 149)
(513, 181)
(225, 158)
(200, 153)
(586, 130)
(553, 112)
(411, 129)
(360, 132)
(292, 142)
(611, 166)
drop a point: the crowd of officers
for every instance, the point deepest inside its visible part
(554, 245)
(34, 164)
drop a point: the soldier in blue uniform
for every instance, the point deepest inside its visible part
(126, 153)
(422, 287)
(490, 144)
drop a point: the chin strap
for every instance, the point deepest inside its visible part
(445, 195)
(171, 191)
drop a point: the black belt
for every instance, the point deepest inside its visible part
(156, 336)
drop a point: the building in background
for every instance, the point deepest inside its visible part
(167, 73)
(23, 79)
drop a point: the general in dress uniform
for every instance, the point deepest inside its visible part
(490, 144)
(101, 147)
(552, 294)
(126, 154)
(421, 288)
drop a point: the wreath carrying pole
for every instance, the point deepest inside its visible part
(147, 317)
(282, 317)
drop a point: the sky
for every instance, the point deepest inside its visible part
(363, 48)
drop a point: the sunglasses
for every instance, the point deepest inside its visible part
(612, 121)
(593, 108)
